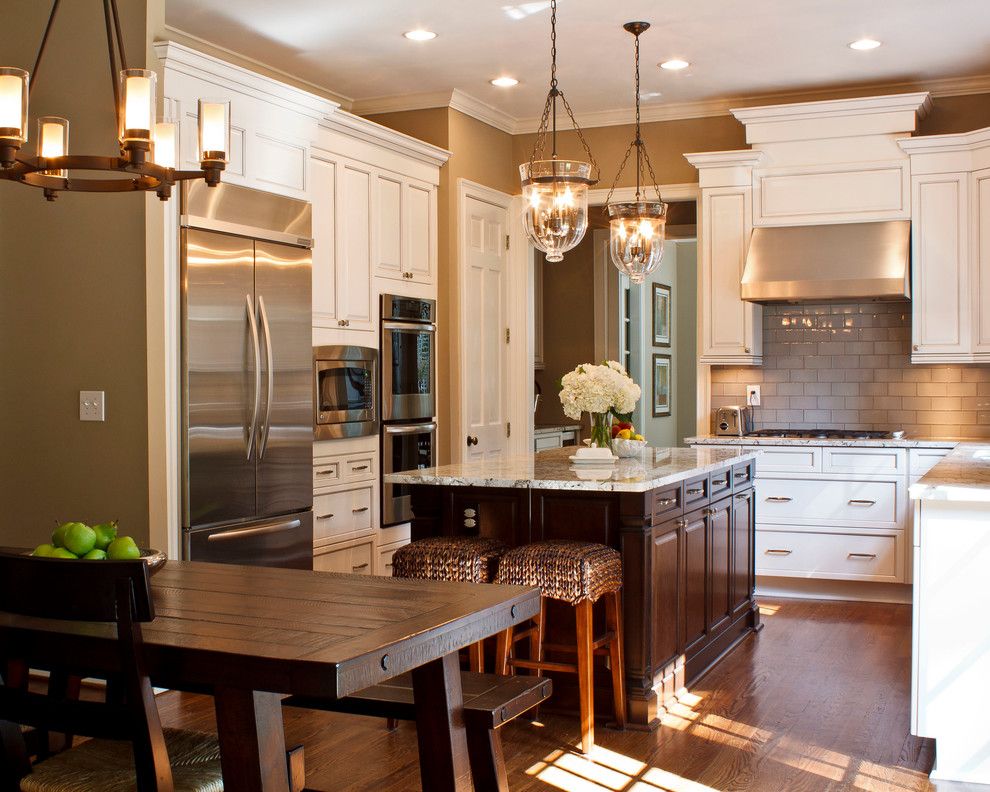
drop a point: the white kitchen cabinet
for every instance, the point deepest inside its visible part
(950, 247)
(385, 553)
(538, 266)
(405, 225)
(731, 329)
(354, 557)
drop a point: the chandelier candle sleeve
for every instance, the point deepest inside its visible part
(165, 152)
(137, 98)
(53, 141)
(13, 104)
(214, 130)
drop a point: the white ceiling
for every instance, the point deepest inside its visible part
(355, 48)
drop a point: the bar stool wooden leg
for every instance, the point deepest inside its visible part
(502, 649)
(585, 670)
(476, 657)
(536, 638)
(613, 623)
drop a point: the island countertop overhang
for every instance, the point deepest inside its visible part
(552, 469)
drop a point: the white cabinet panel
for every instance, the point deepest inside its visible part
(864, 460)
(279, 162)
(732, 330)
(980, 211)
(354, 287)
(322, 195)
(839, 556)
(388, 224)
(940, 301)
(828, 502)
(349, 558)
(787, 459)
(420, 231)
(921, 460)
(341, 514)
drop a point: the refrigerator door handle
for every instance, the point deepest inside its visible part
(270, 360)
(253, 430)
(276, 527)
(410, 428)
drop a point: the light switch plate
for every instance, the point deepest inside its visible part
(92, 406)
(753, 395)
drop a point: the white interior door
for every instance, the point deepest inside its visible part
(484, 322)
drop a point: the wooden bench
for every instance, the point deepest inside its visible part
(490, 702)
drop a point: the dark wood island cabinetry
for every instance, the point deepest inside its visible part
(683, 519)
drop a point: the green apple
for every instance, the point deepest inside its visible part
(80, 539)
(105, 534)
(123, 549)
(44, 551)
(58, 535)
(61, 552)
(95, 555)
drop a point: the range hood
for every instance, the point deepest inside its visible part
(845, 261)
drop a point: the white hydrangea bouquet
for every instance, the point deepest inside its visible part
(603, 391)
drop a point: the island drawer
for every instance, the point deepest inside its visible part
(720, 483)
(828, 555)
(336, 514)
(696, 492)
(667, 501)
(742, 475)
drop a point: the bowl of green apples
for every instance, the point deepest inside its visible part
(79, 541)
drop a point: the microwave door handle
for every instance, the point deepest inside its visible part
(253, 324)
(411, 428)
(270, 361)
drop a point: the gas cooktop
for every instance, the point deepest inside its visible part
(826, 434)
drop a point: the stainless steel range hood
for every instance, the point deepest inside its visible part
(847, 261)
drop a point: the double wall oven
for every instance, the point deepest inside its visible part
(409, 424)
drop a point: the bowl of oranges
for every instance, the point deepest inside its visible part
(82, 542)
(625, 441)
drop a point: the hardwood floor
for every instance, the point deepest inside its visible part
(819, 700)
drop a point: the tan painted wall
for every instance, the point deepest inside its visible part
(72, 300)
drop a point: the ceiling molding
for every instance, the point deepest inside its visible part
(239, 57)
(482, 111)
(918, 103)
(946, 144)
(363, 129)
(455, 99)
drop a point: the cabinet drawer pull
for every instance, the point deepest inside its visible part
(359, 566)
(779, 552)
(711, 512)
(682, 523)
(666, 501)
(324, 516)
(741, 474)
(326, 472)
(858, 502)
(779, 499)
(699, 491)
(742, 496)
(360, 467)
(359, 509)
(719, 482)
(867, 556)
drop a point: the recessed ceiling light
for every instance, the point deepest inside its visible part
(674, 65)
(420, 35)
(864, 44)
(504, 82)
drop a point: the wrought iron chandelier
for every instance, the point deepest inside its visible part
(148, 150)
(637, 228)
(555, 191)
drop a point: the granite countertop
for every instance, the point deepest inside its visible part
(552, 469)
(963, 475)
(903, 442)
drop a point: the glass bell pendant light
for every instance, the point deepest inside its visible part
(555, 191)
(637, 228)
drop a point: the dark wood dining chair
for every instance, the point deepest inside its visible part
(117, 593)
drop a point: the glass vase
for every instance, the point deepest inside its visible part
(601, 430)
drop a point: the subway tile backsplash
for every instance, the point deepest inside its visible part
(848, 366)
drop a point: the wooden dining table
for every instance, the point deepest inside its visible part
(251, 635)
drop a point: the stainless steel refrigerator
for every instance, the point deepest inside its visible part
(247, 387)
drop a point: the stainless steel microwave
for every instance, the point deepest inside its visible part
(345, 380)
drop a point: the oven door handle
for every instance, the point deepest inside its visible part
(411, 428)
(412, 327)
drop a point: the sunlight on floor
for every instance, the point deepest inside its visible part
(607, 771)
(768, 610)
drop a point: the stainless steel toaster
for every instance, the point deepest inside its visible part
(735, 421)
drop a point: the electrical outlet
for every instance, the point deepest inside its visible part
(753, 395)
(92, 406)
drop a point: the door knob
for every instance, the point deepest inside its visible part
(472, 441)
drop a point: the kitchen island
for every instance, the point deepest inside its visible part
(951, 653)
(682, 518)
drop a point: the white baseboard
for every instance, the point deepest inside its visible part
(850, 590)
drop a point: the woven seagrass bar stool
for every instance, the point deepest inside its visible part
(463, 559)
(578, 573)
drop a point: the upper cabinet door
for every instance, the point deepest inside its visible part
(980, 256)
(322, 194)
(388, 225)
(732, 330)
(940, 301)
(354, 235)
(420, 231)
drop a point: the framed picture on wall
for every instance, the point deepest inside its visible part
(661, 386)
(661, 314)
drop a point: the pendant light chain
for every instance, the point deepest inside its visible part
(639, 140)
(41, 49)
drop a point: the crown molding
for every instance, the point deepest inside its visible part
(290, 79)
(946, 144)
(370, 132)
(918, 103)
(185, 60)
(716, 159)
(455, 99)
(482, 111)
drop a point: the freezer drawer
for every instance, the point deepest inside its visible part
(283, 542)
